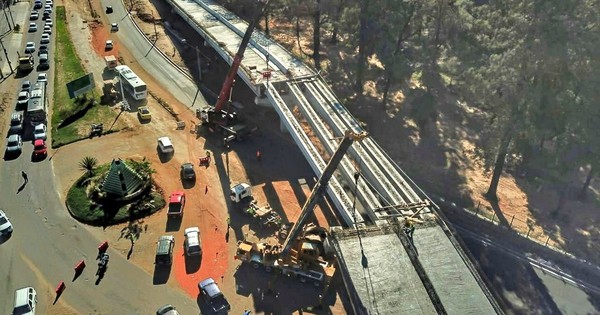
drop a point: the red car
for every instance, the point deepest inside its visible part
(39, 148)
(176, 203)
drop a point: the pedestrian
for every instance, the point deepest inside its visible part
(258, 155)
(24, 176)
(228, 222)
(206, 189)
(247, 312)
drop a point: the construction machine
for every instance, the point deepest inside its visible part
(221, 116)
(304, 253)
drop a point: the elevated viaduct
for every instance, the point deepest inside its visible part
(382, 273)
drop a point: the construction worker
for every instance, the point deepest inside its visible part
(409, 229)
(258, 155)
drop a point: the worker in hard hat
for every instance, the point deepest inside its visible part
(409, 229)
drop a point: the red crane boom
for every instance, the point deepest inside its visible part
(237, 60)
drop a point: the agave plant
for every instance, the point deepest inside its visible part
(88, 164)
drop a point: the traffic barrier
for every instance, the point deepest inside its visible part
(80, 265)
(60, 288)
(103, 247)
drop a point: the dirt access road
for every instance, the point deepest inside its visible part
(275, 180)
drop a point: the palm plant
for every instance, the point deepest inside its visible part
(88, 164)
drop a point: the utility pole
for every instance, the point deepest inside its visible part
(199, 74)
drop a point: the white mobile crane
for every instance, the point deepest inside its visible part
(302, 252)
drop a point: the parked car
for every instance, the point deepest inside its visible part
(37, 4)
(165, 146)
(144, 113)
(213, 295)
(39, 148)
(39, 132)
(32, 27)
(176, 204)
(47, 29)
(29, 47)
(22, 98)
(42, 77)
(187, 171)
(6, 227)
(16, 123)
(50, 3)
(164, 250)
(45, 39)
(167, 310)
(108, 45)
(25, 301)
(26, 86)
(193, 246)
(34, 15)
(49, 22)
(14, 145)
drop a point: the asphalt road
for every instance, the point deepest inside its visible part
(527, 287)
(180, 86)
(47, 243)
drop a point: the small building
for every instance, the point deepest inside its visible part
(122, 180)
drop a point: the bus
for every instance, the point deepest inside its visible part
(36, 106)
(131, 83)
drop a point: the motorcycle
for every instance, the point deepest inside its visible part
(102, 265)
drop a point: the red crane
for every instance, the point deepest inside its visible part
(218, 115)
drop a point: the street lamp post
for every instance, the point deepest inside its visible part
(199, 69)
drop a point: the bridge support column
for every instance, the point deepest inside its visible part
(282, 127)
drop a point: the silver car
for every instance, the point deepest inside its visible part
(14, 144)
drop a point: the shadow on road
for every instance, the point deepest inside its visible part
(161, 274)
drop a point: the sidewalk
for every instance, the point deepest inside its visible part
(14, 41)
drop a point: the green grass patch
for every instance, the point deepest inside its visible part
(104, 214)
(67, 68)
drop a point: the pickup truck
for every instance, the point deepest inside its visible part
(176, 204)
(213, 296)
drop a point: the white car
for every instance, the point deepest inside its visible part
(23, 98)
(165, 145)
(108, 45)
(49, 22)
(34, 15)
(32, 27)
(39, 132)
(47, 29)
(45, 39)
(29, 47)
(14, 145)
(6, 227)
(42, 77)
(50, 3)
(192, 241)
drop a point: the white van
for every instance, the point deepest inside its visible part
(25, 301)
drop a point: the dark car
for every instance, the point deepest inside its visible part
(43, 50)
(213, 295)
(187, 171)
